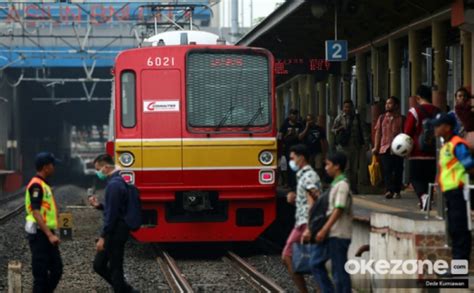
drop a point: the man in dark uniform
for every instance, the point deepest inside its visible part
(108, 262)
(41, 223)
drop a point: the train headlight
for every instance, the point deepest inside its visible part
(126, 159)
(266, 158)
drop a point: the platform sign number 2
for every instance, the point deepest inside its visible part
(336, 50)
(65, 226)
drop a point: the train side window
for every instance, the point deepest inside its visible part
(128, 99)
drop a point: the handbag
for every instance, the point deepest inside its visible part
(301, 258)
(374, 171)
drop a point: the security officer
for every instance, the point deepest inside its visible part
(454, 160)
(41, 223)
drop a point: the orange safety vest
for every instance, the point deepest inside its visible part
(452, 174)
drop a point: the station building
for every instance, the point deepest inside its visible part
(393, 47)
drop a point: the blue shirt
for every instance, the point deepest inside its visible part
(463, 155)
(115, 203)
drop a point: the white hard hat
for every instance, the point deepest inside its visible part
(402, 145)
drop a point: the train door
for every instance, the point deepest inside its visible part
(161, 127)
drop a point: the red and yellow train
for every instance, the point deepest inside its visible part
(195, 131)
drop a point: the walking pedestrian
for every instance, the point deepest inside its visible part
(334, 238)
(41, 226)
(314, 137)
(388, 126)
(422, 163)
(108, 262)
(350, 140)
(308, 182)
(288, 134)
(454, 162)
(465, 115)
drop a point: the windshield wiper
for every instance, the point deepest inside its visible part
(225, 118)
(254, 117)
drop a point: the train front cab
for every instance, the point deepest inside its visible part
(195, 131)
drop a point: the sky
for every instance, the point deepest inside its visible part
(261, 8)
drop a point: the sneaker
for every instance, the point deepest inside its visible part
(397, 195)
(388, 195)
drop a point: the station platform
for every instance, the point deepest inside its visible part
(394, 229)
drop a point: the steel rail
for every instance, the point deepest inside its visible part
(176, 280)
(247, 271)
(7, 216)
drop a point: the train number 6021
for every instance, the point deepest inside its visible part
(160, 61)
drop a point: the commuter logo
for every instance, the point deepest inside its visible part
(405, 267)
(160, 106)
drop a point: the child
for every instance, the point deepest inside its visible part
(332, 241)
(454, 160)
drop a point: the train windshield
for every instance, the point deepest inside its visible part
(228, 89)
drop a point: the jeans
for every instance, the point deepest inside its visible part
(109, 262)
(457, 224)
(422, 172)
(46, 263)
(392, 167)
(334, 249)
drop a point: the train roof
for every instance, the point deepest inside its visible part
(183, 38)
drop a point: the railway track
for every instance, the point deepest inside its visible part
(4, 217)
(179, 283)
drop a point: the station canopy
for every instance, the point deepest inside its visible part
(297, 29)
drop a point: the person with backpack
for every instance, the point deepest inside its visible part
(350, 139)
(422, 160)
(388, 126)
(334, 233)
(108, 262)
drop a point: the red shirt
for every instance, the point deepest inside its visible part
(413, 128)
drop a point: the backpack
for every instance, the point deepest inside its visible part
(318, 214)
(133, 213)
(427, 138)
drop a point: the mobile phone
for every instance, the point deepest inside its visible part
(90, 192)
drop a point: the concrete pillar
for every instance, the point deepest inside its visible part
(394, 63)
(472, 58)
(294, 95)
(466, 39)
(280, 100)
(414, 56)
(303, 95)
(333, 96)
(440, 70)
(310, 87)
(321, 85)
(346, 80)
(374, 64)
(286, 95)
(361, 73)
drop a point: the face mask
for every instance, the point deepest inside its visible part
(101, 175)
(293, 166)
